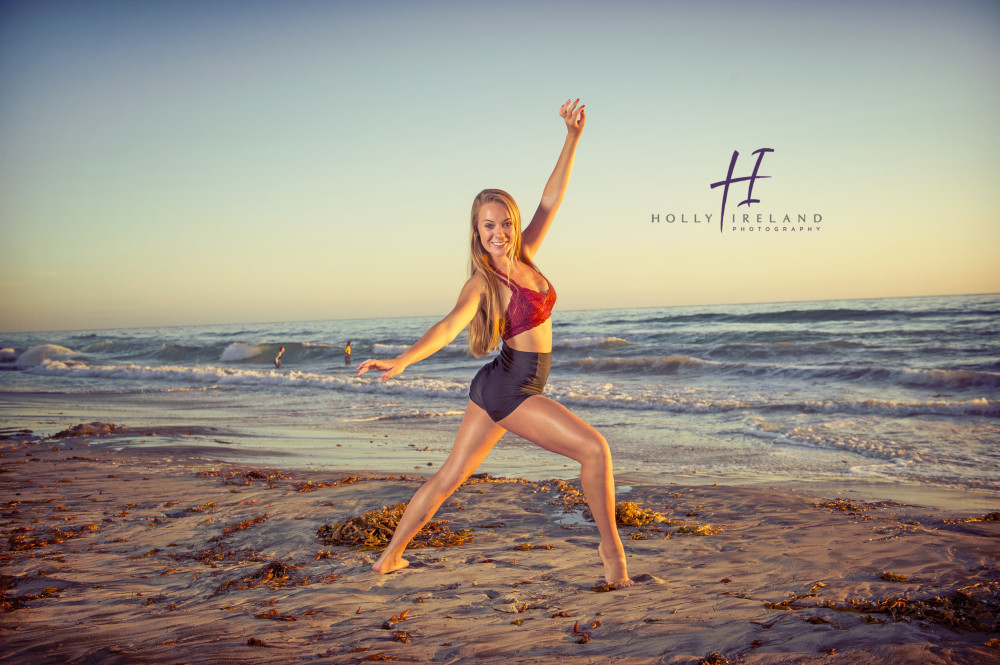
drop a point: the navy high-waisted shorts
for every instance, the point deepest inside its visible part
(512, 377)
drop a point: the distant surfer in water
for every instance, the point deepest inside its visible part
(507, 298)
(277, 359)
(347, 354)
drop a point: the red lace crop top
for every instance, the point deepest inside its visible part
(527, 308)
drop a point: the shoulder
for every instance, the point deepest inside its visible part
(475, 287)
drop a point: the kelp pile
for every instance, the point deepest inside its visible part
(90, 429)
(631, 514)
(373, 530)
(10, 602)
(989, 517)
(857, 510)
(569, 496)
(274, 575)
(25, 538)
(310, 486)
(628, 513)
(234, 476)
(487, 478)
(974, 608)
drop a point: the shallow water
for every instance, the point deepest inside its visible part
(884, 390)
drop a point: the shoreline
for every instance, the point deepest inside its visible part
(391, 451)
(155, 555)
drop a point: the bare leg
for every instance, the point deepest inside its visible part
(476, 437)
(554, 427)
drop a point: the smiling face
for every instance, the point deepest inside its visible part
(496, 229)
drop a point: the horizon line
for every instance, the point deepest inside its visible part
(418, 316)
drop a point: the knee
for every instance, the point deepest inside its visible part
(595, 448)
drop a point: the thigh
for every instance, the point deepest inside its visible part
(475, 439)
(549, 424)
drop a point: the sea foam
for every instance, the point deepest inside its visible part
(36, 355)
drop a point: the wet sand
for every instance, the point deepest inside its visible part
(149, 556)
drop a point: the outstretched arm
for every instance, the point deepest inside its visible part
(436, 337)
(555, 189)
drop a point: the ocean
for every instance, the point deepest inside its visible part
(892, 390)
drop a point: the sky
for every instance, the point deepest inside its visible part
(200, 162)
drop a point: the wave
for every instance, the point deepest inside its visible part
(412, 415)
(179, 352)
(458, 348)
(817, 436)
(151, 349)
(760, 351)
(643, 365)
(694, 402)
(296, 353)
(389, 349)
(929, 379)
(240, 351)
(37, 355)
(804, 316)
(573, 394)
(588, 342)
(229, 376)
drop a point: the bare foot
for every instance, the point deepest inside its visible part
(384, 566)
(615, 570)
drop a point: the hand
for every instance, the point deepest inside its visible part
(390, 367)
(575, 117)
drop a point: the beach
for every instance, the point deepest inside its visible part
(129, 554)
(801, 482)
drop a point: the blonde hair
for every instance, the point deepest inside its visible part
(484, 330)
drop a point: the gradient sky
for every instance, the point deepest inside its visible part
(194, 162)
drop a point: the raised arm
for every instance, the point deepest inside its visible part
(437, 336)
(555, 189)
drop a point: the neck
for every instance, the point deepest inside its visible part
(504, 264)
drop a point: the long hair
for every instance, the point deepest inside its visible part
(484, 331)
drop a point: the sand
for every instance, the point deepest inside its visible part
(150, 556)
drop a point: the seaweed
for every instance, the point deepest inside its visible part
(628, 513)
(373, 530)
(10, 602)
(988, 517)
(274, 575)
(234, 476)
(714, 658)
(19, 541)
(974, 608)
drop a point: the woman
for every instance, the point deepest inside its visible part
(508, 297)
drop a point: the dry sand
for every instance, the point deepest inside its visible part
(157, 556)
